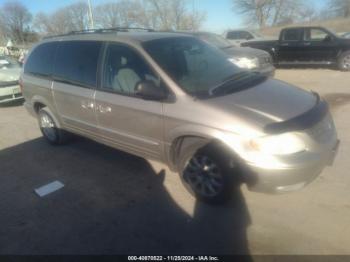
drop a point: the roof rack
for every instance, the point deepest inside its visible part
(104, 30)
(113, 29)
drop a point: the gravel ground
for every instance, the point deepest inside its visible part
(115, 203)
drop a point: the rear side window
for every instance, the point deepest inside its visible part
(40, 62)
(292, 35)
(77, 61)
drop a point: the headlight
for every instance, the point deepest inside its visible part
(284, 144)
(245, 62)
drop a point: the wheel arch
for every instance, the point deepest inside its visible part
(342, 51)
(39, 102)
(186, 141)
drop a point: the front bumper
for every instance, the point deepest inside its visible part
(10, 94)
(289, 179)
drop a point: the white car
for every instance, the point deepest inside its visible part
(346, 35)
(9, 74)
(240, 36)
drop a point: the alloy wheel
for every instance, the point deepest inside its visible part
(48, 127)
(204, 177)
(346, 62)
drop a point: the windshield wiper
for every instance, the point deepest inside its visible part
(227, 47)
(232, 78)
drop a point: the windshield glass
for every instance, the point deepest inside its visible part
(7, 63)
(200, 69)
(215, 40)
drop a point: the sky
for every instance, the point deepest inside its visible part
(219, 12)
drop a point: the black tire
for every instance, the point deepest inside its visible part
(344, 61)
(226, 174)
(49, 128)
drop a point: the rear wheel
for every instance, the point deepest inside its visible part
(209, 175)
(344, 61)
(49, 129)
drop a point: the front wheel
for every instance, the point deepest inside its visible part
(209, 175)
(344, 61)
(49, 129)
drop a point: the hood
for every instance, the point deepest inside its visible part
(10, 75)
(244, 51)
(269, 102)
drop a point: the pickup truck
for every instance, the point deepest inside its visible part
(307, 46)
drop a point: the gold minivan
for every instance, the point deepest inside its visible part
(173, 98)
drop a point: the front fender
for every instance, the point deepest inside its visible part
(200, 135)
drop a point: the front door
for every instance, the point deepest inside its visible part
(319, 46)
(130, 123)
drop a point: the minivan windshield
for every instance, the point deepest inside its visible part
(200, 69)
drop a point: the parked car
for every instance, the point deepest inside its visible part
(346, 35)
(240, 36)
(307, 45)
(244, 57)
(9, 74)
(176, 99)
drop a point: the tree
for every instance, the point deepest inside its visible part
(173, 15)
(155, 14)
(257, 11)
(78, 16)
(73, 17)
(339, 8)
(274, 12)
(114, 14)
(15, 20)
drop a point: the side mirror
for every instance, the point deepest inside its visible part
(149, 91)
(328, 38)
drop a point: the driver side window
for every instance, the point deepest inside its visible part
(317, 35)
(124, 69)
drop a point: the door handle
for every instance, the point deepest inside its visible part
(104, 109)
(87, 105)
(284, 44)
(307, 44)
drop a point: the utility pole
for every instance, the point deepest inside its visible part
(91, 18)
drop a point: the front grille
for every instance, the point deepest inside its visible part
(8, 83)
(10, 96)
(323, 131)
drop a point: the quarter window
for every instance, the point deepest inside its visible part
(40, 61)
(77, 61)
(124, 69)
